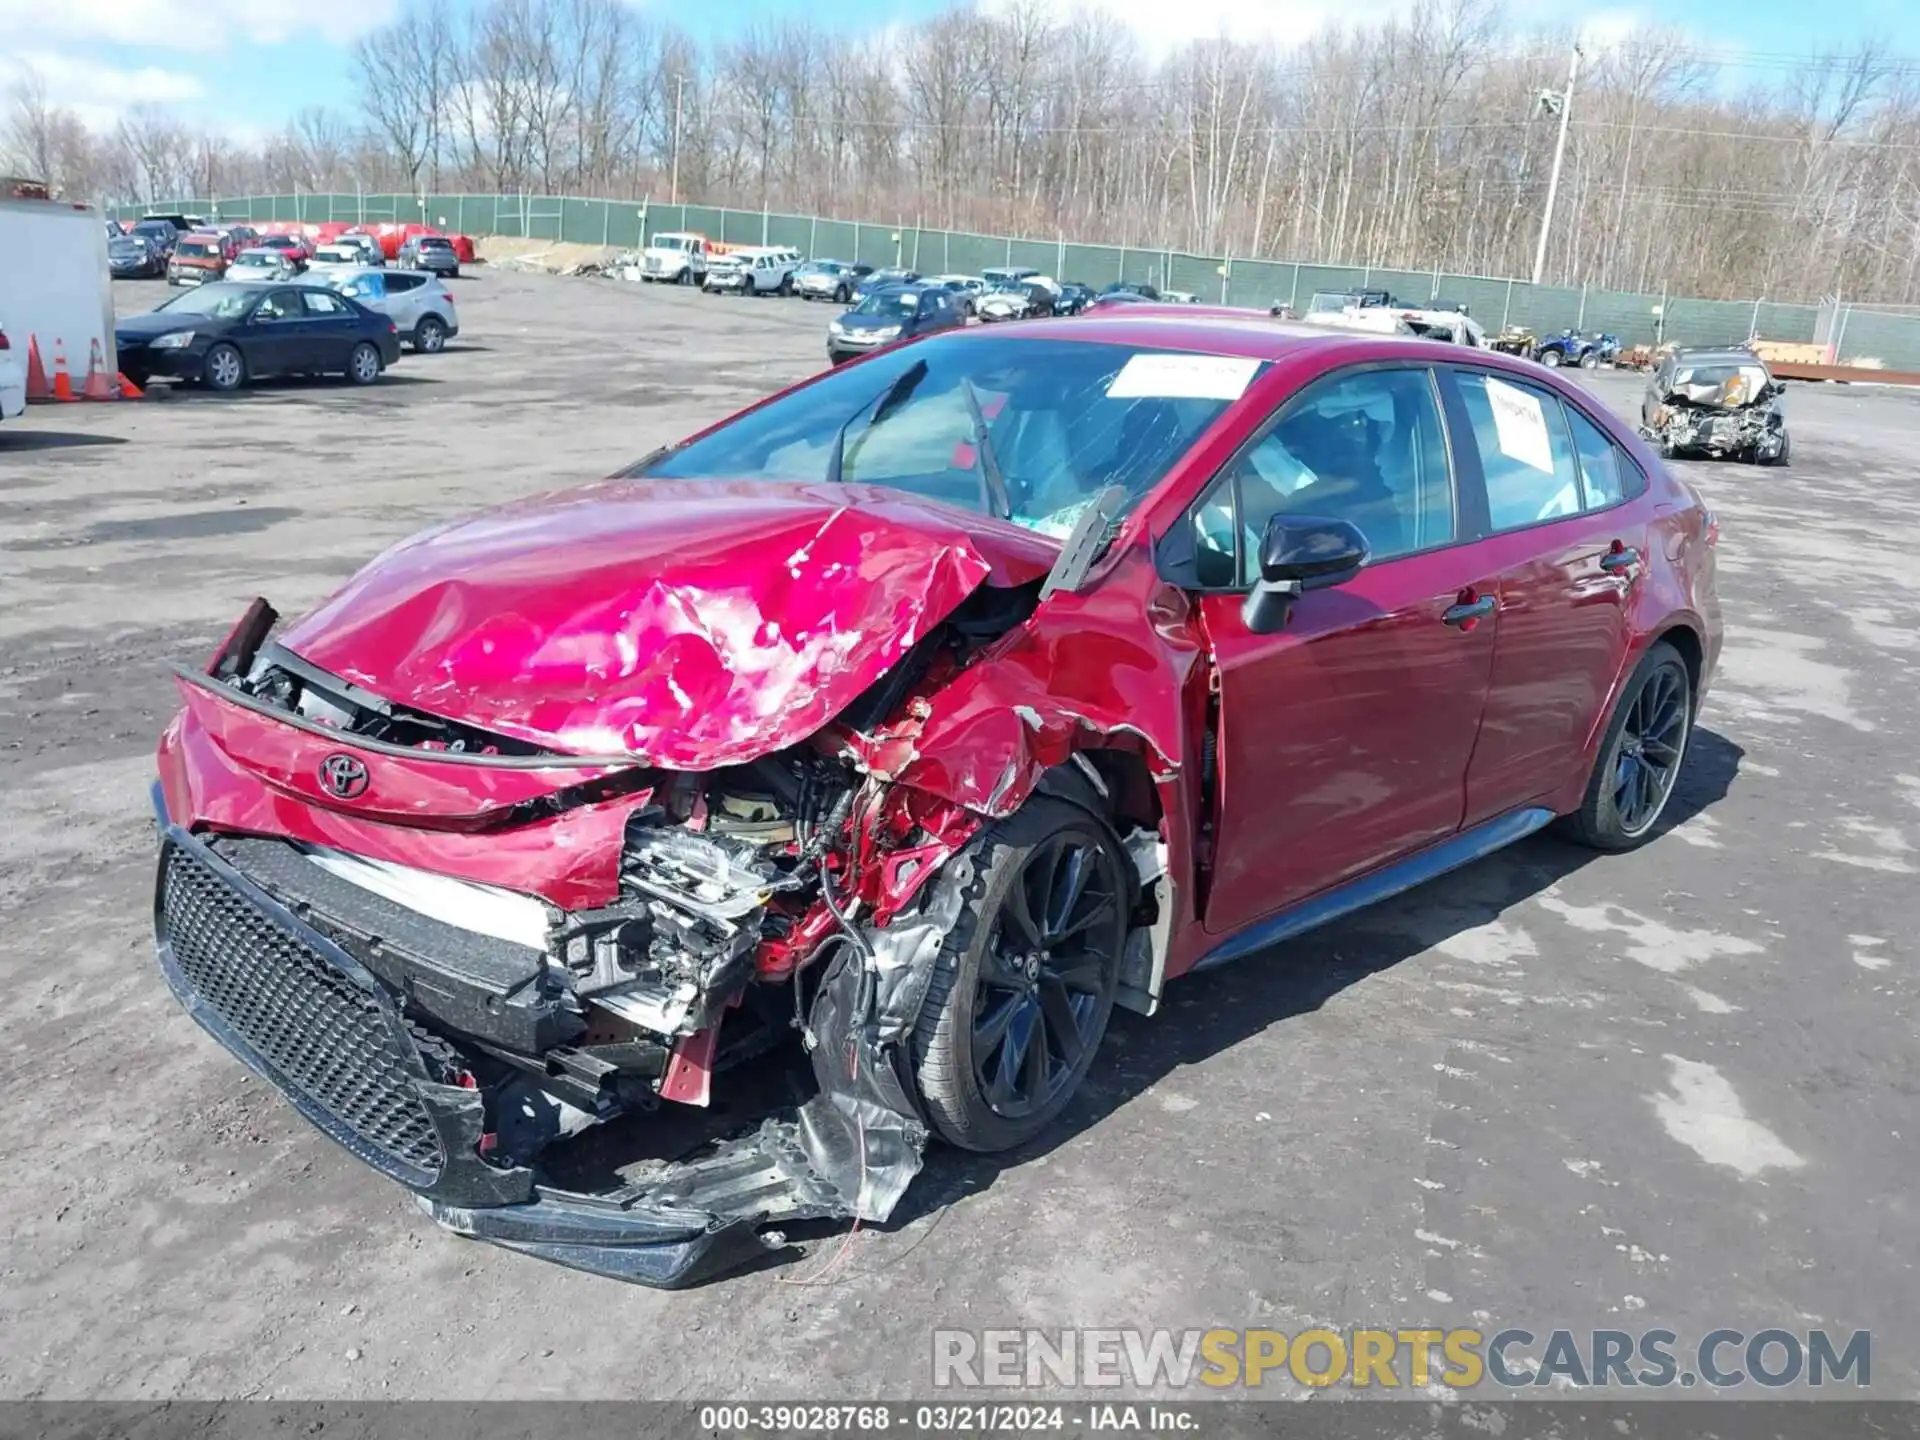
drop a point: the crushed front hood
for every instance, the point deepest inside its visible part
(690, 625)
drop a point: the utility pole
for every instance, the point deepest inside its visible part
(1563, 102)
(679, 85)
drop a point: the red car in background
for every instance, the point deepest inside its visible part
(930, 709)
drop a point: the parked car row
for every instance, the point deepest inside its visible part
(226, 332)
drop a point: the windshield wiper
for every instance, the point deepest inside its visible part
(1092, 533)
(877, 407)
(993, 483)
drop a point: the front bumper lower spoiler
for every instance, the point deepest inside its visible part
(688, 1223)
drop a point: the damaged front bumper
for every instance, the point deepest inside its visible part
(351, 1056)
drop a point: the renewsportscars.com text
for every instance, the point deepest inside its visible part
(1416, 1359)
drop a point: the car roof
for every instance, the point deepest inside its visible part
(1731, 354)
(1219, 330)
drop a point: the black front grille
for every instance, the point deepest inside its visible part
(324, 1038)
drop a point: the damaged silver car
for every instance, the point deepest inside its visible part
(1716, 403)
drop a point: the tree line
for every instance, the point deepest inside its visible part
(1421, 142)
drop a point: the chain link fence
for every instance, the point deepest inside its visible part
(1858, 335)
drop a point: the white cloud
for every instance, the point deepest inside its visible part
(194, 25)
(97, 92)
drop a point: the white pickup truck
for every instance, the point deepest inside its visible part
(752, 270)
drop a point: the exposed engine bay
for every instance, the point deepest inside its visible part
(1718, 406)
(796, 893)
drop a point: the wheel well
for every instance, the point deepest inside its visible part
(1684, 639)
(1119, 789)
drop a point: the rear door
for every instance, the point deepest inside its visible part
(1569, 545)
(398, 297)
(1342, 742)
(331, 329)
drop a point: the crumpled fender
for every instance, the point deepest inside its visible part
(1080, 674)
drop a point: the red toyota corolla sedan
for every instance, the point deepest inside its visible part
(925, 711)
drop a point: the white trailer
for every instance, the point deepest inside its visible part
(56, 293)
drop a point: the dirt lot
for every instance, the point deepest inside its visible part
(1672, 1088)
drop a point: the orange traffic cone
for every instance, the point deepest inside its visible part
(36, 372)
(129, 390)
(62, 381)
(98, 387)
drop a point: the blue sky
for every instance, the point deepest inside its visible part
(248, 65)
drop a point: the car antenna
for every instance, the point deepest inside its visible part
(992, 479)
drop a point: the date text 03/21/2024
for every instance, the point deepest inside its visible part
(945, 1419)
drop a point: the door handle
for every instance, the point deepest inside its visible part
(1469, 611)
(1623, 561)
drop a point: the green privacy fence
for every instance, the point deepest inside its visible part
(1638, 319)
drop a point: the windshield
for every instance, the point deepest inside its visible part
(671, 242)
(1066, 419)
(339, 254)
(823, 267)
(893, 303)
(190, 248)
(279, 242)
(221, 302)
(259, 257)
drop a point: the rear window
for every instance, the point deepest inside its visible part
(435, 242)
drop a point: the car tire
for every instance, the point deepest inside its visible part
(224, 369)
(1655, 709)
(1550, 359)
(786, 286)
(363, 365)
(998, 984)
(843, 296)
(1590, 360)
(430, 335)
(1780, 460)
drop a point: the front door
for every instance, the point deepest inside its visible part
(274, 333)
(1343, 740)
(1569, 546)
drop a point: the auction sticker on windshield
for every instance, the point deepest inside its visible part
(1521, 426)
(1182, 377)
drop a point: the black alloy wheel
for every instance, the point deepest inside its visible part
(1024, 985)
(1036, 1006)
(1640, 756)
(1652, 744)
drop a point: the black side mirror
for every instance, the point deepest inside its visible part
(1299, 553)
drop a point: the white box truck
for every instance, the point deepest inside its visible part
(56, 294)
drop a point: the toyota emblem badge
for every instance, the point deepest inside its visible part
(343, 777)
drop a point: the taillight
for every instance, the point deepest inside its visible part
(1710, 527)
(5, 344)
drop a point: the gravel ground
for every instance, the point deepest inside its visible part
(1671, 1088)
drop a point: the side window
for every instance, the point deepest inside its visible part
(280, 305)
(1369, 448)
(323, 303)
(396, 284)
(1602, 467)
(1525, 452)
